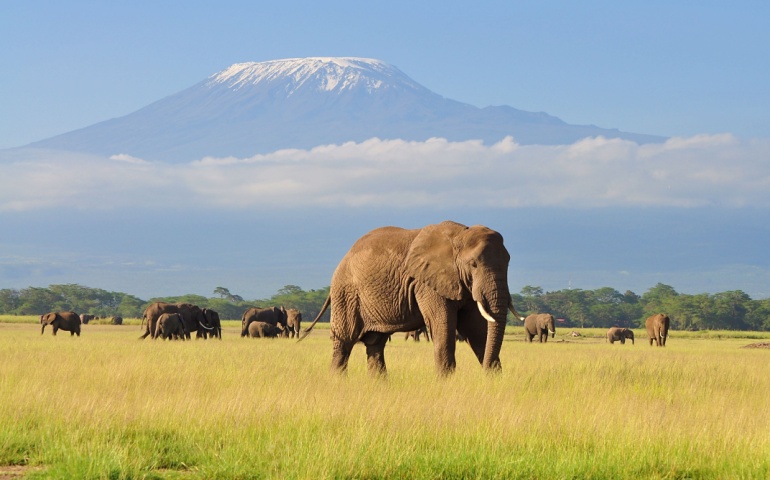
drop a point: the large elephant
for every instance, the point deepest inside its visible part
(293, 322)
(170, 326)
(447, 276)
(540, 324)
(194, 320)
(272, 315)
(657, 328)
(214, 323)
(265, 330)
(67, 321)
(615, 334)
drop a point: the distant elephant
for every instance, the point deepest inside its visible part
(448, 277)
(213, 322)
(415, 334)
(272, 315)
(264, 330)
(657, 328)
(170, 326)
(540, 324)
(117, 320)
(85, 318)
(293, 322)
(194, 320)
(67, 321)
(616, 333)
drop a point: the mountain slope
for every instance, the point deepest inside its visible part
(252, 108)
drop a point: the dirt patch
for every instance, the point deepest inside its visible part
(13, 472)
(758, 345)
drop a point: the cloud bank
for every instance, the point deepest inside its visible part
(704, 170)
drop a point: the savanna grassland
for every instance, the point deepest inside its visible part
(106, 405)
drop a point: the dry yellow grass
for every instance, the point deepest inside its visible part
(108, 405)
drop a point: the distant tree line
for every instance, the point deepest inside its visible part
(95, 301)
(606, 307)
(602, 308)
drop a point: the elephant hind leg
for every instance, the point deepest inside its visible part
(375, 352)
(340, 356)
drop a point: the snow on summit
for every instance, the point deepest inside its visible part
(319, 73)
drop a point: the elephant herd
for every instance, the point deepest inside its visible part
(177, 321)
(449, 279)
(657, 331)
(657, 327)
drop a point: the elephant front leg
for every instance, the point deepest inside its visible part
(441, 321)
(375, 352)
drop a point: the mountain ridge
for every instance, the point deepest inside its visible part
(258, 107)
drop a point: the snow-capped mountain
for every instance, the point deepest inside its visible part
(258, 107)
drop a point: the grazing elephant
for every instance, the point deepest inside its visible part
(170, 326)
(117, 320)
(540, 324)
(657, 328)
(213, 321)
(85, 318)
(293, 322)
(448, 277)
(272, 315)
(616, 333)
(265, 330)
(415, 334)
(67, 321)
(194, 320)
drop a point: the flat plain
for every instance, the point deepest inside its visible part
(107, 405)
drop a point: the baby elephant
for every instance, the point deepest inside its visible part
(617, 333)
(264, 330)
(170, 326)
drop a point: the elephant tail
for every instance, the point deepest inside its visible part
(306, 331)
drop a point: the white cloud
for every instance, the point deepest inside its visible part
(697, 171)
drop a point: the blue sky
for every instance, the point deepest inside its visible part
(670, 68)
(693, 212)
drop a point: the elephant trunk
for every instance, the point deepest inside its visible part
(495, 331)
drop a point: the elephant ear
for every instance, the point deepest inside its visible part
(431, 259)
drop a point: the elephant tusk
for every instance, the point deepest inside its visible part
(485, 314)
(204, 326)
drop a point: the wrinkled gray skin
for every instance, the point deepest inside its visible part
(272, 315)
(264, 330)
(67, 321)
(213, 322)
(540, 324)
(448, 277)
(293, 322)
(615, 334)
(657, 328)
(170, 326)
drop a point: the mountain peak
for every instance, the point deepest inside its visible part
(330, 74)
(259, 107)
